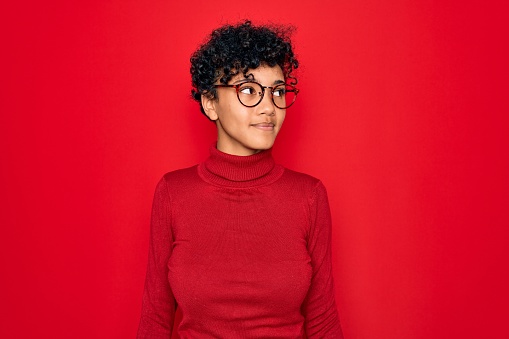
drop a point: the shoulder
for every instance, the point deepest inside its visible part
(178, 179)
(304, 183)
(183, 174)
(301, 179)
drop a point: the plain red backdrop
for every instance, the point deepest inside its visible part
(402, 113)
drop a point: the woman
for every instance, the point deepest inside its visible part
(241, 244)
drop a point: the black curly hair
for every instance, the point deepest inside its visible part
(234, 49)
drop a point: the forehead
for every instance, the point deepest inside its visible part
(262, 74)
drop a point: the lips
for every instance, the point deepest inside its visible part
(265, 126)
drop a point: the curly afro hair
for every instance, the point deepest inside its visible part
(234, 49)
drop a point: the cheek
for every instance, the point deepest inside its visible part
(282, 117)
(234, 118)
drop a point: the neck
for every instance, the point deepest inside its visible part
(240, 171)
(239, 151)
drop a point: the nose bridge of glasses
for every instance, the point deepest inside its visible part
(269, 88)
(270, 97)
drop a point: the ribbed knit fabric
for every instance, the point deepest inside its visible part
(242, 245)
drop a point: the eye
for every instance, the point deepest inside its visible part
(279, 92)
(248, 90)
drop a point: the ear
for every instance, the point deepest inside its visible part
(209, 106)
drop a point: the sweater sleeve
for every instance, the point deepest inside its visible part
(158, 304)
(319, 308)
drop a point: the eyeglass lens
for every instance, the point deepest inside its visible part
(251, 94)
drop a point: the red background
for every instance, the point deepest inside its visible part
(402, 113)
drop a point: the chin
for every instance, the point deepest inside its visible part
(263, 146)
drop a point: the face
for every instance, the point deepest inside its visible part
(245, 130)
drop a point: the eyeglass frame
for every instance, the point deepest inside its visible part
(237, 87)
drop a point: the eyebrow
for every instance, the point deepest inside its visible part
(252, 79)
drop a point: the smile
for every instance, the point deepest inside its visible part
(264, 126)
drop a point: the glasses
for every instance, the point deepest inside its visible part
(251, 93)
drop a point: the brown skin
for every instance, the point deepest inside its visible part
(246, 130)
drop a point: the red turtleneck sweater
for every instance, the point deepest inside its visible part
(242, 245)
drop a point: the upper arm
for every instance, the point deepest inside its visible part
(319, 308)
(158, 305)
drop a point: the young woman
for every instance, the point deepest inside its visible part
(238, 242)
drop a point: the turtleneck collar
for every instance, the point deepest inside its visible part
(240, 171)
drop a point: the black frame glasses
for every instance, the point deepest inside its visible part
(251, 93)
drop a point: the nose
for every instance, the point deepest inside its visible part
(266, 106)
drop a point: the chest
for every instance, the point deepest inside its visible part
(240, 247)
